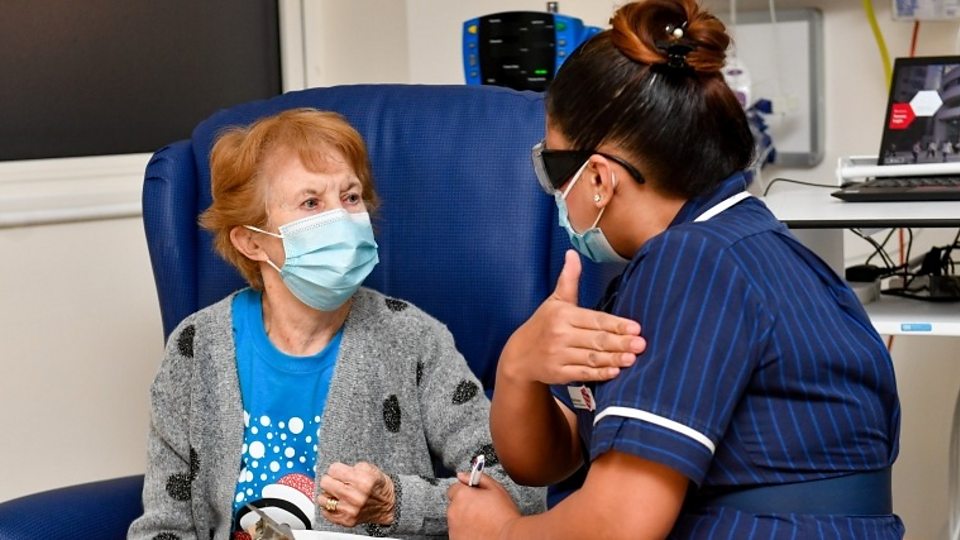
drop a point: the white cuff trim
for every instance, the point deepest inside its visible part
(651, 418)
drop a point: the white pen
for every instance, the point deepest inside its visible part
(476, 471)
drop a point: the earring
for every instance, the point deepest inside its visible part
(597, 197)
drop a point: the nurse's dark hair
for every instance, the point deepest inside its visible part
(672, 114)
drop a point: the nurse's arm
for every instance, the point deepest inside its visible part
(624, 496)
(535, 436)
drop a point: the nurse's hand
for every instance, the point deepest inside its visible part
(563, 343)
(480, 512)
(362, 494)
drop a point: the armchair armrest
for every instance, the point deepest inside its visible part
(102, 510)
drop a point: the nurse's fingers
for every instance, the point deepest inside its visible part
(598, 320)
(598, 341)
(597, 359)
(583, 373)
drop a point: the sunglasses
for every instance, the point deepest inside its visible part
(555, 167)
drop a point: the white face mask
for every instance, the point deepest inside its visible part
(328, 255)
(592, 243)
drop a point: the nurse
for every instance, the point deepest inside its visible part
(765, 405)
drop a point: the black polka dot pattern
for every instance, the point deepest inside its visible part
(489, 455)
(395, 305)
(465, 391)
(431, 480)
(391, 414)
(194, 464)
(166, 536)
(185, 341)
(375, 530)
(178, 487)
(419, 372)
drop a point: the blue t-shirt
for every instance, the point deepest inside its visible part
(761, 368)
(283, 400)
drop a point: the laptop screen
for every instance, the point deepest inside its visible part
(922, 124)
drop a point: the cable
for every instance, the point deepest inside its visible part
(913, 38)
(878, 36)
(880, 250)
(777, 49)
(887, 261)
(953, 471)
(953, 463)
(791, 181)
(913, 52)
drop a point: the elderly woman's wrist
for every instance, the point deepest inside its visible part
(387, 516)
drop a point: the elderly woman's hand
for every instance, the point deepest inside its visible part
(479, 512)
(562, 342)
(363, 494)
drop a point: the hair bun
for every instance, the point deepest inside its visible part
(673, 32)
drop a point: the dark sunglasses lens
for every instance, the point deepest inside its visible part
(560, 166)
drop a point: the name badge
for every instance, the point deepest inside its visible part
(582, 397)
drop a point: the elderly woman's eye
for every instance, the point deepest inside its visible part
(311, 204)
(352, 198)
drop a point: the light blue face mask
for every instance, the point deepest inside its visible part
(328, 255)
(592, 243)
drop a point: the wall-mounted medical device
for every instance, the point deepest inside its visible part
(520, 49)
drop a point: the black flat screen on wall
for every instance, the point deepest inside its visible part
(101, 77)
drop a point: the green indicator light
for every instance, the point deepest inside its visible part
(539, 72)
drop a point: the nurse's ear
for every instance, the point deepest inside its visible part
(603, 180)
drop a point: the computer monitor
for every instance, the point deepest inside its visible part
(100, 77)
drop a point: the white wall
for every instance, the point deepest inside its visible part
(80, 338)
(355, 41)
(80, 332)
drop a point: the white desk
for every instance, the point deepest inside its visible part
(814, 208)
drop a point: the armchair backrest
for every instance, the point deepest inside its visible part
(465, 233)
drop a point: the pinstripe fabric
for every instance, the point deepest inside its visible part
(754, 347)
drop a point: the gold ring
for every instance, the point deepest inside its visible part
(331, 505)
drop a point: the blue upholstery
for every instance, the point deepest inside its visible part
(465, 232)
(101, 510)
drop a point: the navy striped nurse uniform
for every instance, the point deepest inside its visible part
(761, 368)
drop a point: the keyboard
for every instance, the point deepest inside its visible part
(910, 188)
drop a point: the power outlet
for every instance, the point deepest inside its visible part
(925, 10)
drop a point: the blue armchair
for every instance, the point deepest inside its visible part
(464, 230)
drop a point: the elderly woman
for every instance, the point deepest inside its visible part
(316, 401)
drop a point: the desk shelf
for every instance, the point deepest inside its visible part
(893, 315)
(814, 208)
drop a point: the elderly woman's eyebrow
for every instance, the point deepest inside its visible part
(350, 183)
(309, 191)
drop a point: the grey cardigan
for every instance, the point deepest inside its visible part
(400, 395)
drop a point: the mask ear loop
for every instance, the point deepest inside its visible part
(268, 233)
(613, 180)
(576, 177)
